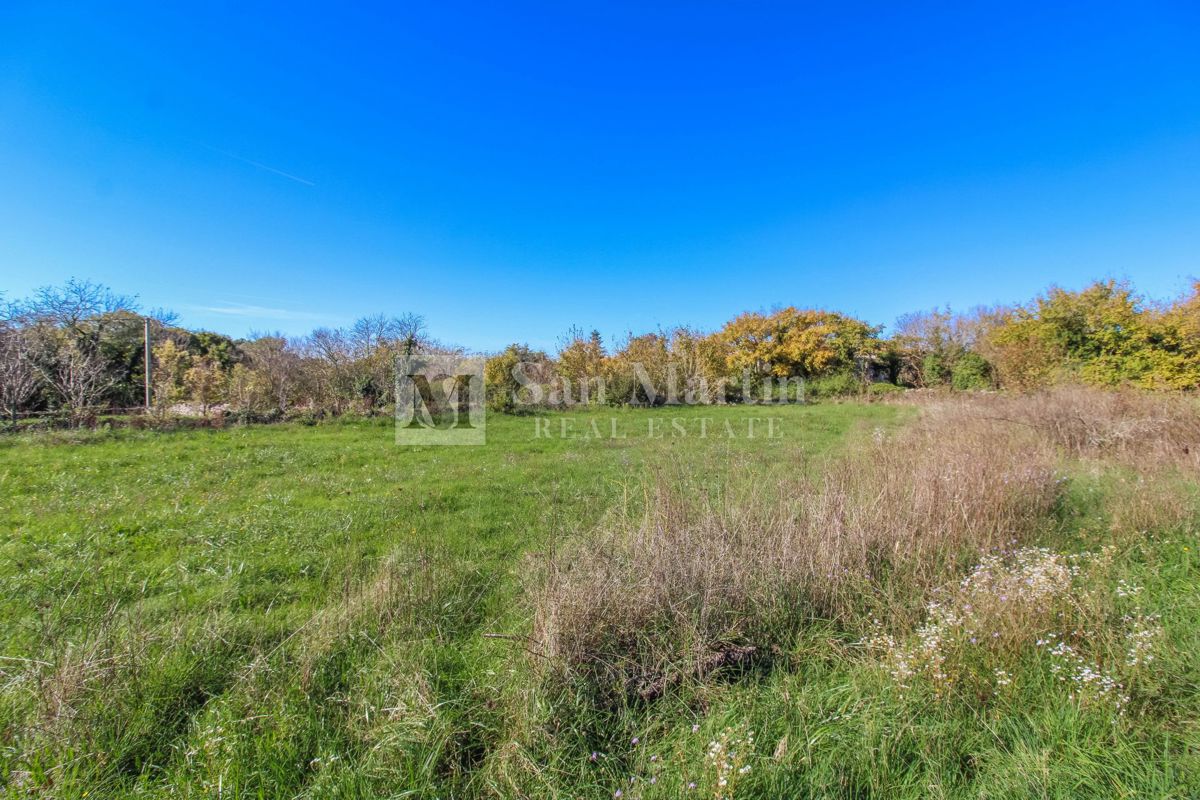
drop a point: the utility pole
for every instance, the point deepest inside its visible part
(147, 321)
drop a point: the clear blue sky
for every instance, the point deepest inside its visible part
(509, 169)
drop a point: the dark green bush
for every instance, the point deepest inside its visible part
(971, 371)
(933, 369)
(839, 384)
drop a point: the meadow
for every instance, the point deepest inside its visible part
(994, 597)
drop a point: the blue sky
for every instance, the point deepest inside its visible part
(509, 170)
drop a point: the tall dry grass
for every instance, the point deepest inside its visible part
(697, 583)
(1134, 428)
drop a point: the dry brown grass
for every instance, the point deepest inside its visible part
(697, 582)
(1140, 503)
(79, 673)
(693, 585)
(1139, 429)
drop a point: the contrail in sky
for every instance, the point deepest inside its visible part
(262, 312)
(236, 157)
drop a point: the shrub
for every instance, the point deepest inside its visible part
(304, 416)
(884, 390)
(933, 369)
(517, 379)
(971, 371)
(837, 384)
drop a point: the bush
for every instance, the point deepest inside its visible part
(246, 416)
(971, 371)
(884, 389)
(838, 384)
(516, 379)
(933, 369)
(305, 417)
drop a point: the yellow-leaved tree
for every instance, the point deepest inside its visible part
(1174, 333)
(581, 365)
(205, 381)
(798, 342)
(1102, 335)
(170, 363)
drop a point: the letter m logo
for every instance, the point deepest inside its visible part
(439, 400)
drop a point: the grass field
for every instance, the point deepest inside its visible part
(312, 611)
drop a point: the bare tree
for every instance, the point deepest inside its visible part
(405, 334)
(82, 308)
(77, 300)
(409, 334)
(332, 366)
(79, 376)
(274, 359)
(375, 342)
(929, 343)
(19, 378)
(100, 323)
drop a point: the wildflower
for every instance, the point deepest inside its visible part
(1124, 589)
(1144, 631)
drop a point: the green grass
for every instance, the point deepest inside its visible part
(300, 611)
(196, 566)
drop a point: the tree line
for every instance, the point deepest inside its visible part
(77, 351)
(1104, 335)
